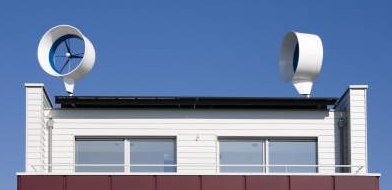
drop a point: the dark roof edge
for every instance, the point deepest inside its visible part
(130, 102)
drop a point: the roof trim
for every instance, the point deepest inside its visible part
(40, 85)
(130, 102)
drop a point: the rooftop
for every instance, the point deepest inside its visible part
(75, 102)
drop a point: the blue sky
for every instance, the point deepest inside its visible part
(198, 48)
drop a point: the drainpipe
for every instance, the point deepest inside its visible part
(49, 125)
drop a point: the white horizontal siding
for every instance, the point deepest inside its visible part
(197, 131)
(36, 133)
(197, 150)
(358, 127)
(354, 104)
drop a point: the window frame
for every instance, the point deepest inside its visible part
(297, 139)
(95, 139)
(266, 152)
(247, 139)
(127, 151)
(129, 140)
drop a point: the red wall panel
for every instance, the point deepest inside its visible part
(356, 183)
(267, 183)
(311, 182)
(133, 183)
(223, 183)
(40, 182)
(178, 182)
(181, 182)
(88, 182)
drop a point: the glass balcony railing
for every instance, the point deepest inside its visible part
(174, 168)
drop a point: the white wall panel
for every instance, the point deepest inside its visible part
(36, 140)
(355, 104)
(197, 131)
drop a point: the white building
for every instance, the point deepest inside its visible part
(324, 139)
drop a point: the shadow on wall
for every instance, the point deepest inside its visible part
(189, 114)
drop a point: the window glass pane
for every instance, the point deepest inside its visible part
(153, 155)
(292, 152)
(98, 152)
(234, 154)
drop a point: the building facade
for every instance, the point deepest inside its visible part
(228, 143)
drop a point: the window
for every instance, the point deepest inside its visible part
(152, 155)
(129, 155)
(99, 155)
(293, 152)
(268, 155)
(241, 155)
